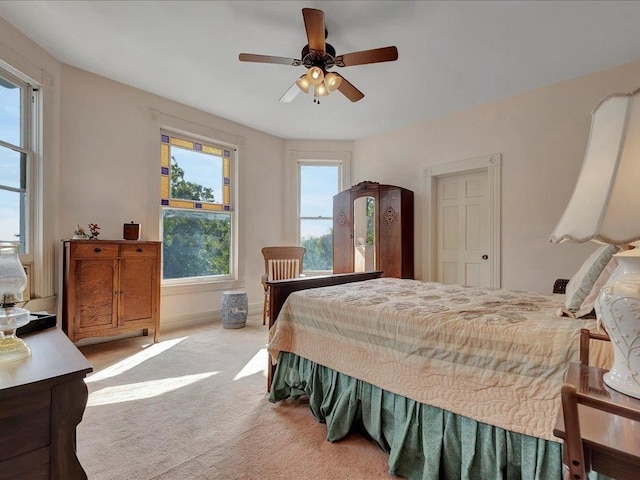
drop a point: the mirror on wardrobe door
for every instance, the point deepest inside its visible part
(364, 234)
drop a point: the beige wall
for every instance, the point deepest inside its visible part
(103, 168)
(110, 175)
(542, 136)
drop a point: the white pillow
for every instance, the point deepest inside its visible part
(590, 301)
(581, 285)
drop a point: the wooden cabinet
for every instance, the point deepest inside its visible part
(42, 400)
(386, 243)
(110, 287)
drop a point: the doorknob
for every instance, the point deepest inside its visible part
(485, 257)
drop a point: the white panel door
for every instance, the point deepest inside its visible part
(463, 229)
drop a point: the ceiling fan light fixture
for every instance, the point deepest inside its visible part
(319, 91)
(332, 81)
(319, 57)
(315, 76)
(303, 83)
(322, 90)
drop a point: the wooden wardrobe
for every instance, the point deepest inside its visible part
(373, 230)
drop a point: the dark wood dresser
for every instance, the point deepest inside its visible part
(42, 400)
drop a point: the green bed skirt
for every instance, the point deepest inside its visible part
(423, 442)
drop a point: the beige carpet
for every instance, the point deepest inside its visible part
(194, 406)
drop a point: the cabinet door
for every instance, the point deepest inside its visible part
(342, 233)
(139, 285)
(390, 256)
(95, 294)
(396, 232)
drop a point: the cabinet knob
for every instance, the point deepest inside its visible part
(97, 250)
(485, 257)
(139, 250)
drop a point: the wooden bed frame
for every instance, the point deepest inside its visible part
(279, 290)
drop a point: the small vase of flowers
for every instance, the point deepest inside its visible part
(94, 230)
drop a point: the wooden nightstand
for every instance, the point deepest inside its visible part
(611, 443)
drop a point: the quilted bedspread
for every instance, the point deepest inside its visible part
(496, 356)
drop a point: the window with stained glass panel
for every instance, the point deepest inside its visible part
(197, 214)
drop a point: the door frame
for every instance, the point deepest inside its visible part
(492, 165)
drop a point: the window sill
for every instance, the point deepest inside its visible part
(201, 286)
(317, 273)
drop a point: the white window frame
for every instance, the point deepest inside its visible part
(28, 145)
(166, 123)
(232, 253)
(42, 181)
(296, 159)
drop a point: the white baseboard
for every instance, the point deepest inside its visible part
(200, 318)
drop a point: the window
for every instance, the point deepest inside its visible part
(17, 104)
(197, 214)
(318, 183)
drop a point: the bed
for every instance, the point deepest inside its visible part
(451, 381)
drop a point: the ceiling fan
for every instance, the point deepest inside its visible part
(319, 57)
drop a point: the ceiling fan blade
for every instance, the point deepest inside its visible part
(290, 94)
(314, 24)
(376, 55)
(250, 57)
(349, 91)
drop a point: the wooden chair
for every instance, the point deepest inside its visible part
(280, 263)
(585, 336)
(574, 452)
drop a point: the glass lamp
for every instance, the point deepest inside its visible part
(13, 281)
(605, 208)
(322, 84)
(315, 75)
(303, 83)
(319, 91)
(332, 81)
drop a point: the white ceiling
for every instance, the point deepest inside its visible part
(452, 55)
